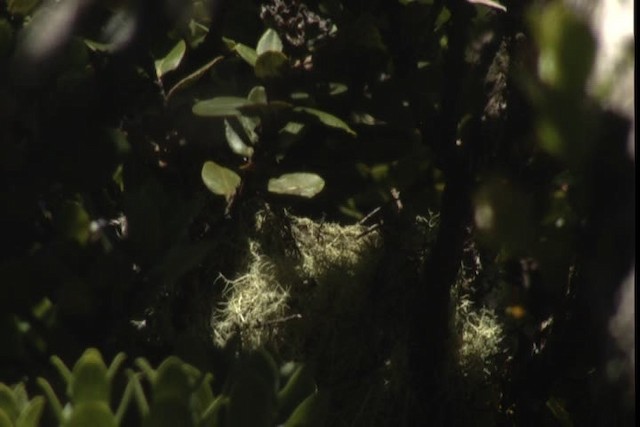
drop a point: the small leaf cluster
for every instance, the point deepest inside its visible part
(258, 393)
(16, 410)
(250, 122)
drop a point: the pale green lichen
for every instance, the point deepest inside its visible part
(285, 255)
(481, 337)
(333, 254)
(252, 301)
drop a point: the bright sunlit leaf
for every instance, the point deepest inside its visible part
(297, 184)
(235, 142)
(172, 60)
(269, 42)
(220, 180)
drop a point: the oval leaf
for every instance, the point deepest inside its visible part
(327, 119)
(271, 65)
(220, 180)
(235, 142)
(258, 95)
(270, 41)
(297, 184)
(222, 106)
(172, 60)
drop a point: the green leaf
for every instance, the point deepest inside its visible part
(235, 142)
(95, 46)
(261, 110)
(337, 88)
(220, 180)
(213, 413)
(269, 42)
(30, 416)
(297, 184)
(271, 65)
(298, 388)
(193, 77)
(8, 401)
(72, 222)
(294, 128)
(172, 60)
(248, 54)
(97, 414)
(327, 119)
(222, 106)
(310, 413)
(89, 382)
(443, 18)
(566, 48)
(249, 125)
(558, 410)
(5, 421)
(258, 95)
(300, 96)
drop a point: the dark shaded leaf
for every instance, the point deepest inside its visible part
(337, 88)
(223, 106)
(300, 386)
(310, 413)
(327, 119)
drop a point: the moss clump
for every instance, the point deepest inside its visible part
(481, 337)
(295, 272)
(253, 301)
(481, 343)
(305, 289)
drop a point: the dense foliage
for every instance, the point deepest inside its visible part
(392, 212)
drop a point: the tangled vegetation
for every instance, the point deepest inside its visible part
(321, 212)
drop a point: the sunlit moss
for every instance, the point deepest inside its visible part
(253, 300)
(291, 275)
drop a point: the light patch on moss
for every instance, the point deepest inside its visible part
(253, 301)
(334, 254)
(294, 265)
(481, 337)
